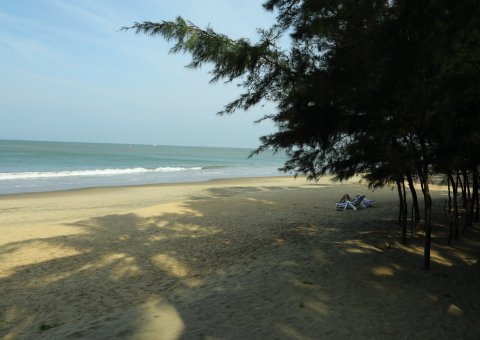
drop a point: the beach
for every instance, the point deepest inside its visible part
(244, 258)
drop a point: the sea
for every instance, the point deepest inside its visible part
(39, 166)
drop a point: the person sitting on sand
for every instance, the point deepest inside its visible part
(344, 198)
(365, 201)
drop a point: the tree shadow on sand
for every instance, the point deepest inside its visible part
(238, 264)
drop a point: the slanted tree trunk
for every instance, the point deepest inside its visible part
(411, 185)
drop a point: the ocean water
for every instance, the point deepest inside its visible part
(32, 166)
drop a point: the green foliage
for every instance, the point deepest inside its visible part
(256, 65)
(353, 66)
(381, 88)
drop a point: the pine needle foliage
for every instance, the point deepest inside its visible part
(386, 89)
(258, 66)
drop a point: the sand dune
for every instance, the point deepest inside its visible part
(230, 259)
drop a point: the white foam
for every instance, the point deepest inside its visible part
(85, 173)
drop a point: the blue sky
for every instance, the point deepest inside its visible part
(68, 74)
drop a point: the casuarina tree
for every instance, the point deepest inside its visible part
(384, 89)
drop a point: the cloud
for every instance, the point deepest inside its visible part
(90, 15)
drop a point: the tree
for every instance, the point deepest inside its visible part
(352, 67)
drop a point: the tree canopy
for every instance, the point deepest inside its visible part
(383, 89)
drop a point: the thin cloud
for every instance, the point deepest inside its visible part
(87, 14)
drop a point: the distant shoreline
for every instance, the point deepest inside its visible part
(133, 144)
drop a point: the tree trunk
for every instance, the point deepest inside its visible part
(464, 196)
(468, 215)
(401, 214)
(421, 183)
(477, 209)
(464, 190)
(451, 216)
(428, 220)
(422, 186)
(467, 185)
(449, 195)
(405, 206)
(455, 205)
(414, 197)
(474, 193)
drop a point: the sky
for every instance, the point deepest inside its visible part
(69, 74)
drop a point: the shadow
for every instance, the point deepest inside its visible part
(241, 263)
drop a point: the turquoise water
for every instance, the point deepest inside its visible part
(31, 166)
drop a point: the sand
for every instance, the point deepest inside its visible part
(258, 258)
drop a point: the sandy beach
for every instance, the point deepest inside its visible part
(257, 258)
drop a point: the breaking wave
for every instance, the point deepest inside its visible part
(85, 173)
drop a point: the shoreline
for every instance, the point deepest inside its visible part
(214, 181)
(193, 182)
